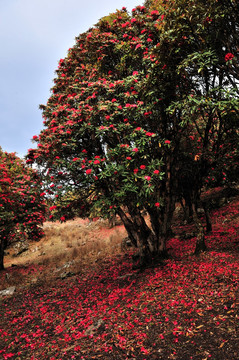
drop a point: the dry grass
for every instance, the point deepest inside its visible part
(68, 248)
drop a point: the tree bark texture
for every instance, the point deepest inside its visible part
(2, 246)
(200, 242)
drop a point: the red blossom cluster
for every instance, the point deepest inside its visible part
(22, 207)
(229, 56)
(136, 118)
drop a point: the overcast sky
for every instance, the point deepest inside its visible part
(34, 36)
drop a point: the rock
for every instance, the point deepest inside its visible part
(68, 264)
(98, 324)
(65, 266)
(42, 253)
(8, 291)
(125, 276)
(65, 274)
(21, 247)
(126, 244)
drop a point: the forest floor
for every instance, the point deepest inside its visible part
(77, 296)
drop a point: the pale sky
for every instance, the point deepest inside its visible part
(34, 36)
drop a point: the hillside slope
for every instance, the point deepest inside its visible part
(185, 308)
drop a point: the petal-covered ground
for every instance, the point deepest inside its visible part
(185, 308)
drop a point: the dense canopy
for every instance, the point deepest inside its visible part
(22, 207)
(144, 113)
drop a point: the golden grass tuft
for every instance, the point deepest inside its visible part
(68, 247)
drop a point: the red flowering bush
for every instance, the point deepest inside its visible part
(22, 205)
(129, 98)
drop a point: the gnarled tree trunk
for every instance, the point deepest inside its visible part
(2, 247)
(200, 243)
(207, 216)
(140, 235)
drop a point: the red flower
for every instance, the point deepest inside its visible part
(229, 56)
(145, 351)
(167, 142)
(157, 204)
(147, 178)
(125, 24)
(88, 171)
(142, 167)
(52, 208)
(208, 19)
(135, 150)
(156, 171)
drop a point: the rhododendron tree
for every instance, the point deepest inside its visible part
(210, 145)
(130, 96)
(22, 205)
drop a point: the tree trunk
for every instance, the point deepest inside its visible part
(168, 210)
(129, 226)
(112, 221)
(162, 251)
(2, 243)
(207, 216)
(200, 243)
(140, 235)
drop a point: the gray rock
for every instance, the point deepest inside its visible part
(125, 276)
(65, 266)
(21, 247)
(65, 275)
(8, 291)
(98, 324)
